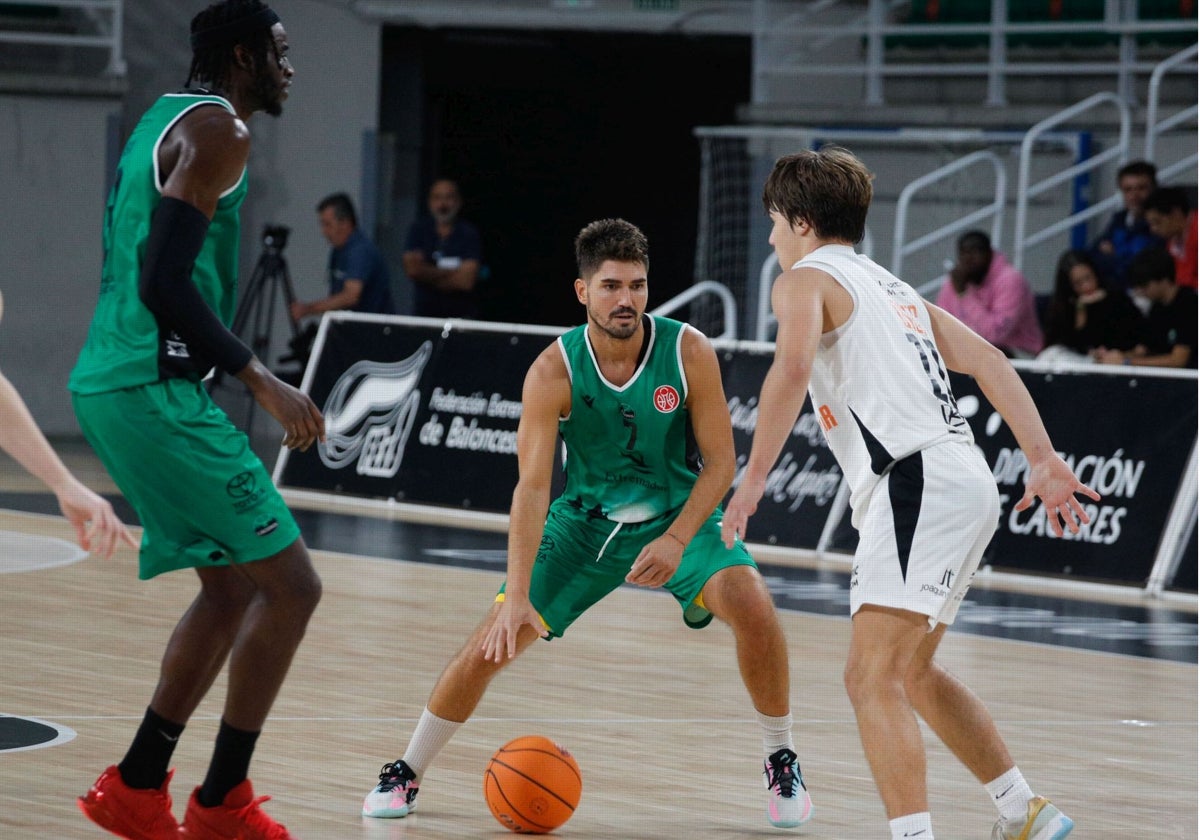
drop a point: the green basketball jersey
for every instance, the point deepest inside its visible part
(629, 449)
(124, 345)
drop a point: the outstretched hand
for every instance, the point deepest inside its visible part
(1055, 484)
(742, 505)
(97, 528)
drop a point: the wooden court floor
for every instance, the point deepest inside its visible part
(654, 713)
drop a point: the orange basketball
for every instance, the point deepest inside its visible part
(532, 785)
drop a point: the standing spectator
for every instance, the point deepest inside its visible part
(1171, 217)
(989, 295)
(1127, 232)
(1170, 332)
(1086, 313)
(358, 275)
(443, 256)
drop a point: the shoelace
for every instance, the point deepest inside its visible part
(256, 818)
(393, 776)
(783, 778)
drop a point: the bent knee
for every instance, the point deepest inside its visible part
(304, 591)
(854, 680)
(737, 594)
(299, 591)
(864, 680)
(921, 675)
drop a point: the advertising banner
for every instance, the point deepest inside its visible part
(426, 412)
(416, 412)
(1125, 435)
(804, 481)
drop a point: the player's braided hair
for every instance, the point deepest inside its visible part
(212, 57)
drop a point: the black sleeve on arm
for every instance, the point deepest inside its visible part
(177, 232)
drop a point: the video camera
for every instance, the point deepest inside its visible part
(275, 237)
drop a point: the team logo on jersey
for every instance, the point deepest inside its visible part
(666, 399)
(370, 413)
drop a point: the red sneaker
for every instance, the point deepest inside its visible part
(133, 813)
(237, 818)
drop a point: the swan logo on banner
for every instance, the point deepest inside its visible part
(370, 412)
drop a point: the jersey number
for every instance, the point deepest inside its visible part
(932, 363)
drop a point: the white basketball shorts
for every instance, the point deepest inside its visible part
(926, 526)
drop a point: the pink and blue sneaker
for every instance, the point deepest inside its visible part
(395, 795)
(788, 802)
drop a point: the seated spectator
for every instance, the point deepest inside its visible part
(1127, 232)
(443, 256)
(1169, 337)
(1171, 218)
(989, 295)
(358, 274)
(1085, 313)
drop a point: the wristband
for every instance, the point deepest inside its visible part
(672, 536)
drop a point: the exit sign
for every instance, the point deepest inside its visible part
(656, 5)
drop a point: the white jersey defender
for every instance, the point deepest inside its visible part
(924, 499)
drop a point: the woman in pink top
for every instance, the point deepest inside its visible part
(990, 296)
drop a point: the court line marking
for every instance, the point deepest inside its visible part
(65, 734)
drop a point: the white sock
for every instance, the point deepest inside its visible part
(1011, 794)
(776, 732)
(432, 733)
(912, 825)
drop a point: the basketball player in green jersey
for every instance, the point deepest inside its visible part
(205, 500)
(629, 394)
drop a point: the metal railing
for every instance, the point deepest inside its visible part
(728, 305)
(107, 18)
(995, 210)
(1155, 126)
(1027, 191)
(1120, 22)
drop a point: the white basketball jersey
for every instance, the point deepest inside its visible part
(879, 386)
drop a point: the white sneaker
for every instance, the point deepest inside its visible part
(1042, 822)
(788, 802)
(395, 795)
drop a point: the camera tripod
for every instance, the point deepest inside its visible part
(253, 321)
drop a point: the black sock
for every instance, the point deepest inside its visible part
(145, 765)
(230, 764)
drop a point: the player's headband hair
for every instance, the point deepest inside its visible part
(232, 31)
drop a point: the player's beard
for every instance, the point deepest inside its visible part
(270, 94)
(615, 330)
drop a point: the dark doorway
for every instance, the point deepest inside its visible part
(547, 131)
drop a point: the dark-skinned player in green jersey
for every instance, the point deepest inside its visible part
(206, 502)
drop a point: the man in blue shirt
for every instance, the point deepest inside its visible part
(442, 256)
(358, 275)
(1127, 232)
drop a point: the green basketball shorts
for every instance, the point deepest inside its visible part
(581, 560)
(204, 497)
